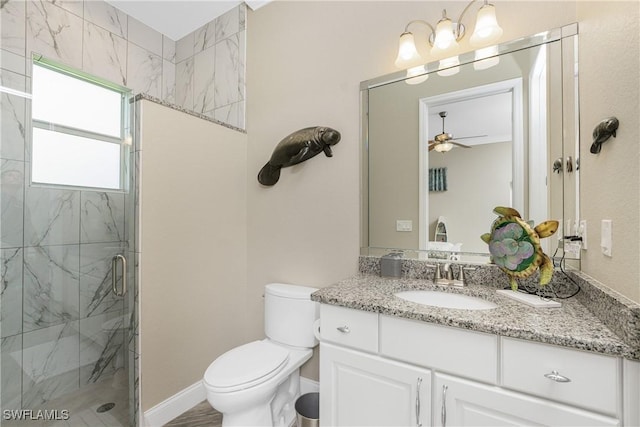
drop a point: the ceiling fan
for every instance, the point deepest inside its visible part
(444, 141)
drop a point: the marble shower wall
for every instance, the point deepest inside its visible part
(60, 325)
(203, 72)
(210, 69)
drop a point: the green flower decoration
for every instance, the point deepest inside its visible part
(515, 246)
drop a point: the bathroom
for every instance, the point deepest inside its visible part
(212, 248)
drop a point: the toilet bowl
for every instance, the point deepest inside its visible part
(257, 384)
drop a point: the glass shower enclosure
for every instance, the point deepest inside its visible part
(67, 256)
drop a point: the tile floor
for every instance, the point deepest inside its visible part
(82, 406)
(201, 415)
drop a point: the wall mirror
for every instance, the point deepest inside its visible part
(513, 121)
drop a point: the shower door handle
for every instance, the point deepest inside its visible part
(114, 275)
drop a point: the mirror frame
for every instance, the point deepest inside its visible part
(570, 125)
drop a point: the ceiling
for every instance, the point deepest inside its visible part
(481, 120)
(177, 18)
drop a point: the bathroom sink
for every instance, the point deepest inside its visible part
(446, 300)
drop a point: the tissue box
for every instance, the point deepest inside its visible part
(391, 265)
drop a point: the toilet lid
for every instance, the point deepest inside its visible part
(245, 366)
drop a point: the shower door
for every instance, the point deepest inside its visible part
(67, 301)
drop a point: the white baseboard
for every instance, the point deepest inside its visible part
(308, 386)
(186, 399)
(177, 404)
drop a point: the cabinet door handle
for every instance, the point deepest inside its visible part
(344, 329)
(443, 415)
(418, 423)
(555, 376)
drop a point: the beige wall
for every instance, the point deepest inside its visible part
(305, 61)
(212, 236)
(478, 180)
(610, 86)
(193, 248)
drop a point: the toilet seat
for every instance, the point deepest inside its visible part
(245, 366)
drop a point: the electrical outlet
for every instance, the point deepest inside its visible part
(582, 232)
(572, 250)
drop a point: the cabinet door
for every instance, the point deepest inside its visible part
(359, 389)
(459, 402)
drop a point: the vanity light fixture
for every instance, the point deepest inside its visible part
(444, 38)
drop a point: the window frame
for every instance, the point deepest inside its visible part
(124, 141)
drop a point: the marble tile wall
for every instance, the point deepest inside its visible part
(203, 72)
(209, 73)
(60, 326)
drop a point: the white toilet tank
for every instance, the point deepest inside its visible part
(289, 314)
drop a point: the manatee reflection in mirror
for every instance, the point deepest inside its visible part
(296, 148)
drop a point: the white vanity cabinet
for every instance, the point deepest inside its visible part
(459, 402)
(384, 370)
(360, 389)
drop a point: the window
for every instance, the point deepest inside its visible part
(79, 128)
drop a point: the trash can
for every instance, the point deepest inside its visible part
(308, 410)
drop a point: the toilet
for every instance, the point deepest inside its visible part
(257, 384)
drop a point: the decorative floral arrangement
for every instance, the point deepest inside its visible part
(515, 246)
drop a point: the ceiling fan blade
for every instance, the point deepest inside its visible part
(459, 145)
(432, 146)
(474, 136)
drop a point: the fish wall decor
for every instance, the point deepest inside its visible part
(296, 148)
(602, 132)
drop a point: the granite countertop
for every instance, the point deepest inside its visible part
(571, 325)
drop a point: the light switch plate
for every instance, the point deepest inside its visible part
(404, 225)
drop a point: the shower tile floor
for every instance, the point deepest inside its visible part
(82, 406)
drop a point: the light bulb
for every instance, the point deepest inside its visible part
(408, 55)
(486, 58)
(444, 43)
(449, 66)
(443, 147)
(487, 30)
(416, 75)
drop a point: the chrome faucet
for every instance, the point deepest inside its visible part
(448, 268)
(449, 277)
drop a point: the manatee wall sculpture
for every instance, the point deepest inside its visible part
(296, 148)
(602, 132)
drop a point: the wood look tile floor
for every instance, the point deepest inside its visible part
(201, 415)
